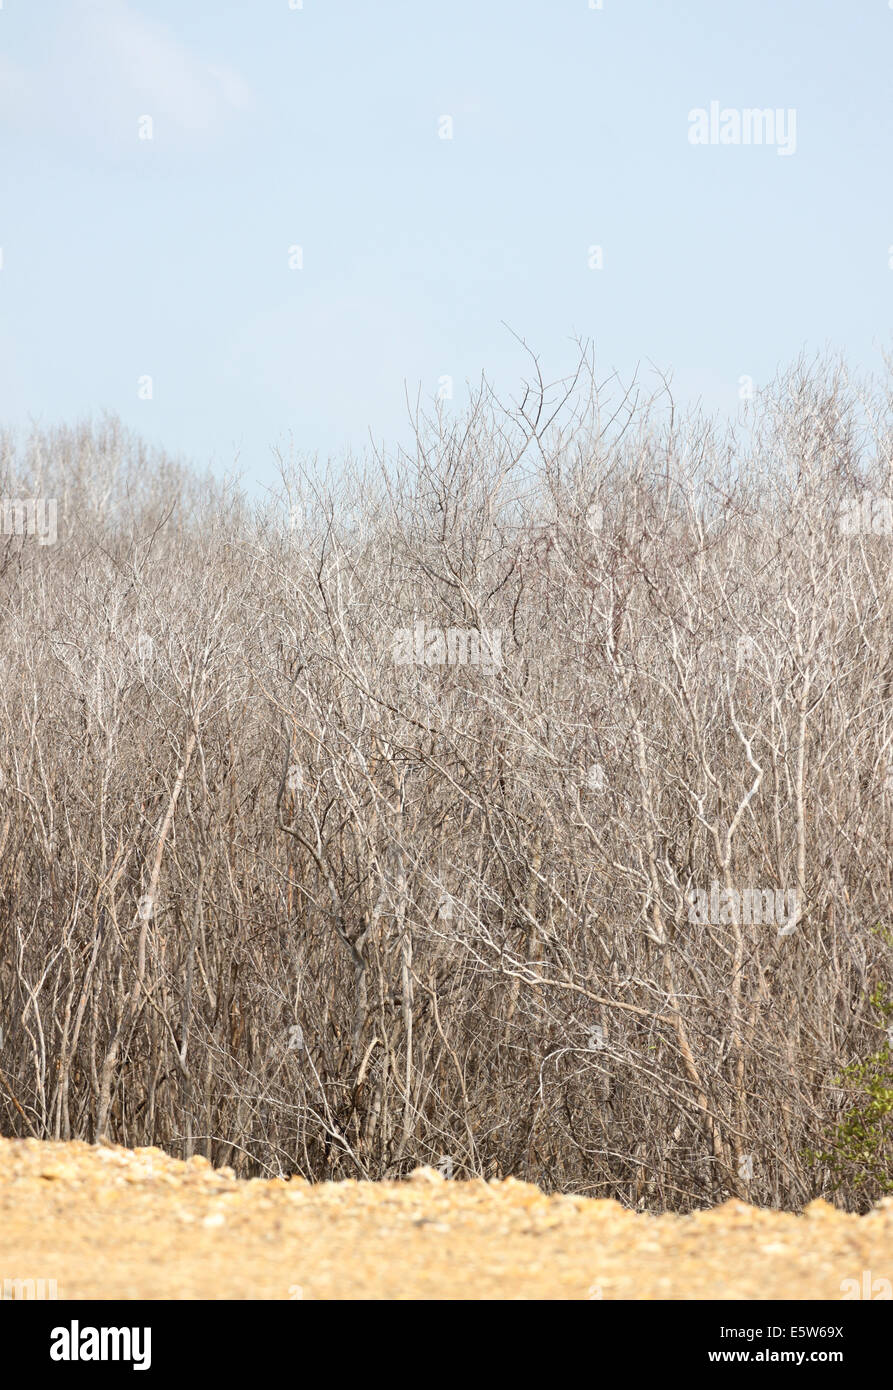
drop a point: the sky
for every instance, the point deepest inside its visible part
(335, 205)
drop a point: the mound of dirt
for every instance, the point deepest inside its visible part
(109, 1222)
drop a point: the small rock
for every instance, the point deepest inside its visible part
(52, 1171)
(426, 1174)
(819, 1208)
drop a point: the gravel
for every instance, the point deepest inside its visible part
(109, 1222)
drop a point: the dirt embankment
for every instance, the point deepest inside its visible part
(120, 1223)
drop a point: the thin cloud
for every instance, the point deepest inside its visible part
(110, 66)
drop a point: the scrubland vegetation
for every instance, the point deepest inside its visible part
(300, 872)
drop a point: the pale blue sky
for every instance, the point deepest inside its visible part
(319, 127)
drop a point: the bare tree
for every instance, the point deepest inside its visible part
(518, 803)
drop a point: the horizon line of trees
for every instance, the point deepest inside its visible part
(285, 884)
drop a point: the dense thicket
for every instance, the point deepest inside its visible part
(269, 894)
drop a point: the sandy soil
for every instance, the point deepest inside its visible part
(119, 1223)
